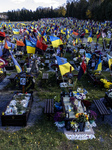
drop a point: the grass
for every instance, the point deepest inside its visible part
(43, 136)
(100, 39)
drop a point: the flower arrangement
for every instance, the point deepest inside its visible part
(81, 117)
(92, 115)
(106, 83)
(74, 125)
(59, 116)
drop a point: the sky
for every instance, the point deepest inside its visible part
(28, 4)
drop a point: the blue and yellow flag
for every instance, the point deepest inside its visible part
(56, 41)
(30, 47)
(63, 32)
(45, 37)
(86, 31)
(16, 31)
(10, 45)
(33, 41)
(90, 39)
(18, 68)
(88, 56)
(64, 66)
(109, 59)
(98, 66)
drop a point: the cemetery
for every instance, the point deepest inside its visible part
(56, 84)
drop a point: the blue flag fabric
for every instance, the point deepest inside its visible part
(1, 52)
(18, 68)
(10, 45)
(33, 41)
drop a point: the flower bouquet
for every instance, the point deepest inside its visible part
(107, 84)
(74, 126)
(59, 116)
(81, 118)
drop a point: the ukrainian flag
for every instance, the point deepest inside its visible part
(18, 68)
(88, 56)
(90, 39)
(55, 41)
(86, 31)
(23, 24)
(16, 31)
(39, 34)
(64, 66)
(109, 59)
(45, 37)
(62, 31)
(10, 45)
(76, 41)
(30, 47)
(33, 41)
(98, 66)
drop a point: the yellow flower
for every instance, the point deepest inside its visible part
(72, 123)
(77, 147)
(2, 113)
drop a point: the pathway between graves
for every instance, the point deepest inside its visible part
(4, 83)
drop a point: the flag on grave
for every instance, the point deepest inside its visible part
(82, 70)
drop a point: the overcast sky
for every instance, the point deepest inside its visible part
(28, 4)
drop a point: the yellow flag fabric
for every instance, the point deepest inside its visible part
(30, 50)
(98, 66)
(1, 71)
(110, 63)
(109, 58)
(76, 41)
(65, 68)
(86, 31)
(55, 41)
(90, 39)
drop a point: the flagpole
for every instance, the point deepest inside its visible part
(74, 84)
(62, 78)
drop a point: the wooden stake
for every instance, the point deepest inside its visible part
(74, 84)
(23, 89)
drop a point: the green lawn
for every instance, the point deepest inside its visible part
(100, 39)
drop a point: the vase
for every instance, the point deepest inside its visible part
(79, 103)
(81, 126)
(68, 126)
(91, 121)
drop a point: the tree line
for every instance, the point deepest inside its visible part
(98, 10)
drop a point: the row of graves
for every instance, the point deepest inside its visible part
(17, 111)
(71, 112)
